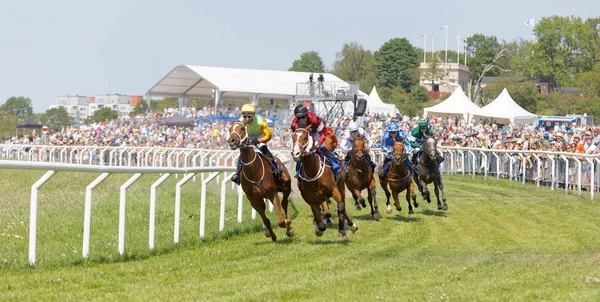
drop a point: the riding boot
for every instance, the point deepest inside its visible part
(236, 177)
(439, 157)
(384, 167)
(269, 156)
(373, 165)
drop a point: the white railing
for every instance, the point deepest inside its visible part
(189, 172)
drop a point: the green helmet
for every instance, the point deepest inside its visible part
(423, 123)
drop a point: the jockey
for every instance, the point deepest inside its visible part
(393, 134)
(348, 142)
(316, 128)
(259, 134)
(417, 138)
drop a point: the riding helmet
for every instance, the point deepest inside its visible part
(248, 109)
(300, 111)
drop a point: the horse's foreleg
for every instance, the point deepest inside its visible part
(327, 213)
(418, 182)
(358, 199)
(372, 196)
(395, 192)
(318, 221)
(260, 207)
(408, 195)
(384, 186)
(281, 221)
(441, 186)
(424, 191)
(284, 204)
(413, 196)
(437, 194)
(342, 215)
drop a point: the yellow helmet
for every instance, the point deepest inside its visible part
(248, 109)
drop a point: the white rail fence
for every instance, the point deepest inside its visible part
(216, 163)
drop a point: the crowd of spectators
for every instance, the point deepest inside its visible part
(149, 130)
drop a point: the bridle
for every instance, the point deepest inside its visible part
(243, 140)
(306, 147)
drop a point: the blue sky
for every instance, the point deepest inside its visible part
(61, 47)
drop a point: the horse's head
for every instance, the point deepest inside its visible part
(398, 152)
(237, 135)
(358, 148)
(302, 143)
(430, 147)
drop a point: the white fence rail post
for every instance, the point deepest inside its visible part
(33, 215)
(178, 205)
(152, 220)
(222, 208)
(203, 201)
(87, 215)
(122, 207)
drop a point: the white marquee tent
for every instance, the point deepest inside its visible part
(376, 105)
(457, 105)
(504, 110)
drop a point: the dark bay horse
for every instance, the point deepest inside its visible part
(317, 182)
(258, 183)
(429, 172)
(360, 177)
(398, 178)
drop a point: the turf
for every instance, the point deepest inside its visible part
(498, 241)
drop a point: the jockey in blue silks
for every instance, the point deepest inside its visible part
(393, 134)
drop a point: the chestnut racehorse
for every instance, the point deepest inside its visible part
(317, 182)
(360, 177)
(258, 182)
(398, 178)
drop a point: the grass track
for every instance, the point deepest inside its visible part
(498, 241)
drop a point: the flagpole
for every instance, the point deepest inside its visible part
(446, 58)
(424, 36)
(432, 48)
(458, 49)
(465, 47)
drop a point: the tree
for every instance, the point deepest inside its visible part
(104, 114)
(19, 106)
(418, 94)
(565, 47)
(166, 103)
(486, 69)
(590, 81)
(309, 61)
(481, 51)
(57, 118)
(397, 64)
(356, 64)
(524, 93)
(8, 124)
(140, 108)
(153, 105)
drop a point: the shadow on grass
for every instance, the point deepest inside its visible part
(280, 241)
(364, 217)
(403, 218)
(341, 241)
(428, 212)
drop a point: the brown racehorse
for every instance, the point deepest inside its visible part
(258, 182)
(360, 177)
(318, 182)
(330, 144)
(430, 172)
(398, 177)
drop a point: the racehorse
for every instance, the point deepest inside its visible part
(398, 177)
(430, 172)
(258, 182)
(330, 144)
(317, 182)
(360, 177)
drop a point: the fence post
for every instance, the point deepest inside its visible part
(33, 215)
(122, 207)
(178, 205)
(153, 208)
(87, 215)
(203, 201)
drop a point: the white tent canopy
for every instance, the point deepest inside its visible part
(376, 105)
(504, 110)
(458, 104)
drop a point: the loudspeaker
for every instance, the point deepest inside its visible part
(361, 107)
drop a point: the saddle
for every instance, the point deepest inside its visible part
(274, 165)
(333, 161)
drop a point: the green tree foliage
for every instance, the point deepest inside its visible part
(481, 51)
(8, 124)
(19, 106)
(524, 93)
(56, 119)
(309, 61)
(565, 47)
(434, 70)
(153, 105)
(104, 114)
(418, 94)
(355, 64)
(140, 108)
(397, 64)
(590, 81)
(166, 103)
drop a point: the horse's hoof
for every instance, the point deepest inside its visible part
(415, 204)
(399, 209)
(290, 233)
(411, 212)
(358, 208)
(445, 207)
(362, 202)
(319, 233)
(439, 207)
(274, 238)
(354, 227)
(342, 233)
(376, 216)
(389, 209)
(329, 223)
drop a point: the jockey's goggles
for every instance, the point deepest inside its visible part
(248, 115)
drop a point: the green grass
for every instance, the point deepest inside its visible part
(498, 241)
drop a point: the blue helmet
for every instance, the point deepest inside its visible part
(393, 127)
